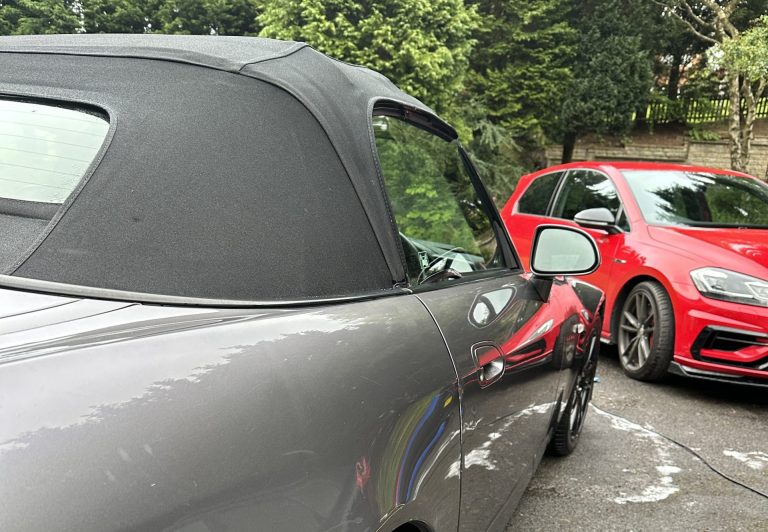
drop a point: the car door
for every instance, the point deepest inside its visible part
(460, 265)
(589, 189)
(531, 211)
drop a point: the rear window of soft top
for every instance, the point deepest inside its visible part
(45, 151)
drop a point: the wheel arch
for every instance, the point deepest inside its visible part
(621, 297)
(413, 526)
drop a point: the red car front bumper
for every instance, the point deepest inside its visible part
(719, 340)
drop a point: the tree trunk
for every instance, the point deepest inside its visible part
(674, 78)
(734, 121)
(759, 94)
(748, 123)
(641, 114)
(569, 143)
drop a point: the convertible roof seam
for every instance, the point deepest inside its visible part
(231, 54)
(290, 51)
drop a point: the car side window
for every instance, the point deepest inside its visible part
(536, 198)
(622, 222)
(445, 230)
(585, 189)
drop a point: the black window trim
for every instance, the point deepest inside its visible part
(561, 184)
(507, 250)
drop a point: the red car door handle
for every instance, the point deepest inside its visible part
(489, 361)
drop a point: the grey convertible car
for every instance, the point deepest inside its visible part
(248, 287)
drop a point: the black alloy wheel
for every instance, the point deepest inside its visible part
(568, 430)
(646, 332)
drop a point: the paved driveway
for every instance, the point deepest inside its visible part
(625, 477)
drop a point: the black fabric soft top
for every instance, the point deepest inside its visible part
(110, 71)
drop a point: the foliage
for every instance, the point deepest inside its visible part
(416, 166)
(208, 17)
(705, 82)
(522, 63)
(520, 70)
(747, 54)
(510, 75)
(498, 158)
(697, 133)
(28, 17)
(422, 45)
(679, 55)
(612, 70)
(119, 16)
(739, 50)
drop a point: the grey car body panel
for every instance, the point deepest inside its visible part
(506, 423)
(205, 419)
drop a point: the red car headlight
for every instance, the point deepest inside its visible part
(726, 285)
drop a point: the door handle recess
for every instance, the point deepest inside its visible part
(491, 372)
(489, 362)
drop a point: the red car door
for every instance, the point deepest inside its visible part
(552, 198)
(589, 189)
(530, 211)
(556, 197)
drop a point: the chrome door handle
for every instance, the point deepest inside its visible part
(491, 372)
(489, 361)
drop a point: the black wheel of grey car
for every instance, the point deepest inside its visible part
(646, 332)
(568, 430)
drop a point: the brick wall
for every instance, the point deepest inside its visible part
(714, 153)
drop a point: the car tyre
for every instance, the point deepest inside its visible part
(646, 334)
(568, 429)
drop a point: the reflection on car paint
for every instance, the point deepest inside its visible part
(127, 431)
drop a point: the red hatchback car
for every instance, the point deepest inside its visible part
(685, 261)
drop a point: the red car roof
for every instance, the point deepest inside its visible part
(641, 165)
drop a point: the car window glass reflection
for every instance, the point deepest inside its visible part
(698, 199)
(442, 224)
(584, 189)
(536, 199)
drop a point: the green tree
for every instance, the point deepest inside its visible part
(747, 57)
(29, 17)
(519, 71)
(422, 45)
(119, 16)
(498, 157)
(7, 17)
(208, 17)
(522, 63)
(722, 24)
(612, 70)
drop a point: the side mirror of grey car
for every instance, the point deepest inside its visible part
(599, 218)
(560, 250)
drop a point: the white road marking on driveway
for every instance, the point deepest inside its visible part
(756, 460)
(665, 486)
